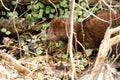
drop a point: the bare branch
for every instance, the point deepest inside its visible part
(115, 30)
(105, 46)
(4, 5)
(14, 62)
(71, 39)
(92, 13)
(108, 5)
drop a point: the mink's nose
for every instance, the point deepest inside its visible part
(52, 37)
(48, 38)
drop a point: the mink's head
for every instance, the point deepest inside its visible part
(57, 29)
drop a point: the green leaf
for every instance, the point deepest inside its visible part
(25, 48)
(61, 12)
(67, 14)
(66, 10)
(85, 14)
(80, 19)
(64, 4)
(47, 11)
(35, 15)
(13, 2)
(3, 13)
(45, 26)
(83, 4)
(51, 16)
(41, 11)
(57, 5)
(12, 15)
(35, 11)
(7, 32)
(40, 15)
(39, 52)
(43, 35)
(75, 17)
(29, 6)
(52, 10)
(3, 30)
(80, 12)
(28, 15)
(48, 7)
(36, 6)
(31, 18)
(41, 5)
(89, 52)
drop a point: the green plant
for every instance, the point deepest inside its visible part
(40, 10)
(12, 15)
(4, 30)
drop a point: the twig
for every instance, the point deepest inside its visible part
(1, 46)
(114, 30)
(16, 28)
(16, 5)
(71, 39)
(115, 58)
(115, 40)
(54, 6)
(14, 62)
(92, 10)
(105, 46)
(26, 10)
(4, 5)
(92, 14)
(17, 37)
(108, 5)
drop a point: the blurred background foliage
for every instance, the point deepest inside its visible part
(36, 11)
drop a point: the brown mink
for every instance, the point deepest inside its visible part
(92, 28)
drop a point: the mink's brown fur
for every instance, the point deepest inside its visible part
(93, 29)
(113, 2)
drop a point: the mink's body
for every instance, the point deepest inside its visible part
(92, 28)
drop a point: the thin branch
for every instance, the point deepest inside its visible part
(14, 62)
(4, 5)
(71, 39)
(105, 46)
(54, 6)
(17, 37)
(115, 30)
(92, 14)
(32, 53)
(108, 5)
(115, 40)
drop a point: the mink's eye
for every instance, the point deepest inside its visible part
(55, 33)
